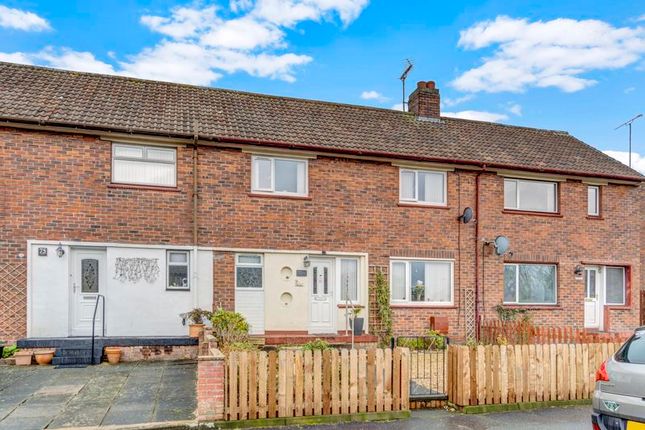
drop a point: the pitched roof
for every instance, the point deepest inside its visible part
(64, 98)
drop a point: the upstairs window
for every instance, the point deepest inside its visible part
(144, 165)
(283, 176)
(593, 200)
(421, 282)
(422, 186)
(528, 195)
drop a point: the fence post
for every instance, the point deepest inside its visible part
(210, 386)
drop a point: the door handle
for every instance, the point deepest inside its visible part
(74, 286)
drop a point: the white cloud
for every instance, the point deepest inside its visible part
(61, 58)
(184, 22)
(373, 95)
(556, 53)
(477, 115)
(629, 90)
(290, 12)
(22, 20)
(199, 45)
(449, 102)
(641, 18)
(515, 109)
(638, 160)
(397, 106)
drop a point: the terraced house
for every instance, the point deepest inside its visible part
(163, 197)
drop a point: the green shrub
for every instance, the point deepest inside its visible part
(197, 316)
(229, 327)
(8, 351)
(383, 310)
(317, 344)
(242, 346)
(414, 343)
(433, 340)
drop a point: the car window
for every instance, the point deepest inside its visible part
(633, 351)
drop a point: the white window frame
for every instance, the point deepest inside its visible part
(517, 285)
(272, 159)
(145, 149)
(624, 285)
(339, 295)
(415, 199)
(556, 203)
(260, 265)
(408, 293)
(597, 208)
(186, 264)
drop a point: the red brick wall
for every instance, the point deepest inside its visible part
(58, 188)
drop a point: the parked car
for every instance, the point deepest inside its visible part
(619, 396)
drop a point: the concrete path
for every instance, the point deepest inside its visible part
(39, 397)
(574, 418)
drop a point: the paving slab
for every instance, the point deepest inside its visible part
(39, 397)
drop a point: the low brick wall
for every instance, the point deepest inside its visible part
(159, 353)
(210, 386)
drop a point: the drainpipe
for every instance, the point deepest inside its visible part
(477, 222)
(195, 225)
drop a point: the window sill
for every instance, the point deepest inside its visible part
(422, 205)
(533, 307)
(143, 187)
(595, 217)
(618, 307)
(422, 306)
(534, 213)
(278, 196)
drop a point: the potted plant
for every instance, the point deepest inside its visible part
(356, 321)
(23, 358)
(196, 318)
(113, 354)
(44, 356)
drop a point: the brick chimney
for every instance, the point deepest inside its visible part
(424, 100)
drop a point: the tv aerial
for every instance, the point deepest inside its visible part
(403, 77)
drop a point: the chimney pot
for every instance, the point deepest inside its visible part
(424, 100)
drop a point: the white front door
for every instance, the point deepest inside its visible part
(323, 305)
(593, 302)
(88, 281)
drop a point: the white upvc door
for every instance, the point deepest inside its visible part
(322, 297)
(88, 281)
(593, 298)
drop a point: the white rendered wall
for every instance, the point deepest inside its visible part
(131, 309)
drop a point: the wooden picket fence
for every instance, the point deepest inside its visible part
(523, 332)
(295, 383)
(496, 374)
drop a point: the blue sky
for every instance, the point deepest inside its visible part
(566, 65)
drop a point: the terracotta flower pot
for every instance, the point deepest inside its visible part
(113, 354)
(44, 356)
(23, 358)
(195, 330)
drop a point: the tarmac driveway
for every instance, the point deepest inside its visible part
(38, 397)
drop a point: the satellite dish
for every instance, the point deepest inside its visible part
(467, 216)
(501, 244)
